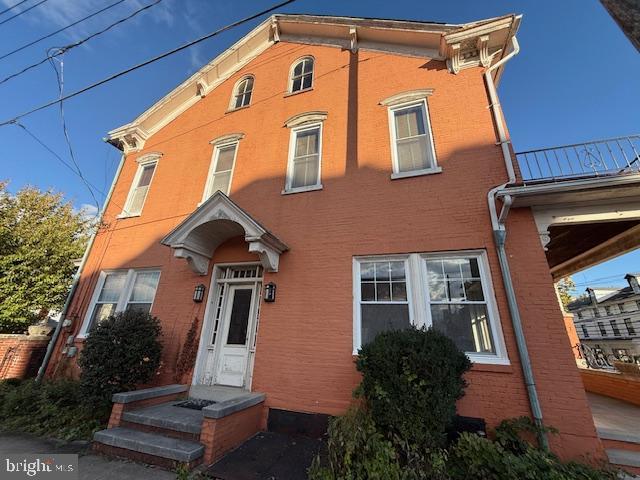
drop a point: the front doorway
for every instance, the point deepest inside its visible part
(227, 344)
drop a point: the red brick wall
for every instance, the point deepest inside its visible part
(572, 335)
(304, 348)
(21, 355)
(614, 385)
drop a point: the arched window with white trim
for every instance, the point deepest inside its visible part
(242, 93)
(301, 77)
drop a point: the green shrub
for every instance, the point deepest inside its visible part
(356, 451)
(53, 409)
(411, 381)
(121, 353)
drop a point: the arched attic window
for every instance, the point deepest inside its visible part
(301, 77)
(242, 93)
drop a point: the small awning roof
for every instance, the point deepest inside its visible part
(215, 221)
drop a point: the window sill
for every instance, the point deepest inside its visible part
(291, 94)
(231, 110)
(301, 189)
(492, 367)
(127, 215)
(416, 173)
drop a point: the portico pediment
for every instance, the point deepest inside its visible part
(215, 221)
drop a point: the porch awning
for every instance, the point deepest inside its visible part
(215, 221)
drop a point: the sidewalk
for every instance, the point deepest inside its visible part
(90, 466)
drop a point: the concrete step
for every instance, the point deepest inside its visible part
(150, 444)
(166, 417)
(626, 459)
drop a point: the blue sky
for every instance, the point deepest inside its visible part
(574, 80)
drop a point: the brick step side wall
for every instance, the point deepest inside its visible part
(21, 355)
(612, 384)
(619, 445)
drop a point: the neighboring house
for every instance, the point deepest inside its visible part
(608, 320)
(347, 162)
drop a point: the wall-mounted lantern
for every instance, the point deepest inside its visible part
(270, 292)
(198, 293)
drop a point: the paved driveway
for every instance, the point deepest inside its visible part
(90, 466)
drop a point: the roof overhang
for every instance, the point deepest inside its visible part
(462, 46)
(215, 221)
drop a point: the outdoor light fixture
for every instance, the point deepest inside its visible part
(270, 292)
(198, 293)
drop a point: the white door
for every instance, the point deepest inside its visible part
(238, 321)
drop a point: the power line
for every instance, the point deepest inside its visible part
(27, 45)
(65, 49)
(22, 11)
(145, 63)
(12, 7)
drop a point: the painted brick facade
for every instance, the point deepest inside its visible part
(304, 357)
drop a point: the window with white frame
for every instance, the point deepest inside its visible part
(585, 332)
(412, 144)
(450, 292)
(603, 330)
(301, 75)
(221, 170)
(140, 185)
(118, 291)
(305, 152)
(242, 93)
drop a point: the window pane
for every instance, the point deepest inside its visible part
(144, 287)
(112, 287)
(297, 85)
(137, 200)
(368, 292)
(221, 182)
(455, 291)
(305, 172)
(412, 154)
(381, 318)
(367, 270)
(437, 290)
(383, 291)
(297, 70)
(225, 158)
(307, 142)
(467, 325)
(139, 307)
(308, 65)
(239, 320)
(452, 268)
(409, 122)
(399, 291)
(147, 173)
(473, 290)
(383, 272)
(100, 312)
(397, 271)
(306, 81)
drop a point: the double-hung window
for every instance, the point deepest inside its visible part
(614, 327)
(301, 75)
(242, 93)
(221, 170)
(450, 292)
(629, 326)
(585, 332)
(118, 291)
(603, 330)
(140, 185)
(305, 153)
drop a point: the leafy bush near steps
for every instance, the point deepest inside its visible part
(53, 408)
(121, 353)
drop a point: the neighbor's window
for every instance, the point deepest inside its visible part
(596, 312)
(140, 186)
(242, 93)
(220, 173)
(412, 147)
(629, 326)
(621, 307)
(607, 310)
(451, 293)
(301, 75)
(603, 330)
(614, 327)
(585, 332)
(305, 150)
(121, 290)
(579, 314)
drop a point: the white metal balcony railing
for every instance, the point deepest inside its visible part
(602, 158)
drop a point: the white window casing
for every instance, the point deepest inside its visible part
(223, 162)
(475, 296)
(301, 75)
(412, 147)
(119, 290)
(147, 166)
(242, 93)
(304, 165)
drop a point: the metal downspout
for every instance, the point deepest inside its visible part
(76, 279)
(500, 234)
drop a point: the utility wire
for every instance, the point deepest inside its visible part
(22, 11)
(12, 7)
(145, 63)
(60, 81)
(66, 48)
(27, 45)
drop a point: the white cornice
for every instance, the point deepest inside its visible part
(462, 46)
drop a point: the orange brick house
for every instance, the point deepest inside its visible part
(345, 164)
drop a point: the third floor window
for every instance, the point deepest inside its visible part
(242, 93)
(301, 75)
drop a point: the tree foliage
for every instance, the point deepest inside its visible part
(565, 288)
(40, 236)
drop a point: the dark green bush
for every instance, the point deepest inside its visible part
(411, 381)
(53, 408)
(121, 353)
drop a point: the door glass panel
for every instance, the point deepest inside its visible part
(239, 319)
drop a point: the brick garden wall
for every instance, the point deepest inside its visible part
(21, 355)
